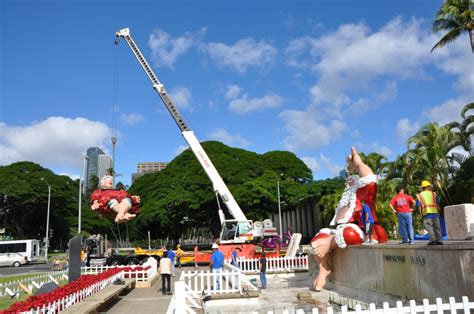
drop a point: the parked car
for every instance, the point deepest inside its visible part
(12, 259)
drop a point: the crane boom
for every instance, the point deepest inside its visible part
(218, 184)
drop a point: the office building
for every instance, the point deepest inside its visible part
(147, 167)
(104, 165)
(91, 174)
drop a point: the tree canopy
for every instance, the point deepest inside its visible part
(24, 203)
(182, 195)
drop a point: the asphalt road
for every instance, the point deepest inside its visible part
(24, 269)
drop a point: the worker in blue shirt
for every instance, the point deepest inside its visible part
(217, 263)
(367, 222)
(171, 256)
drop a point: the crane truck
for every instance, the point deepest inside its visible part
(237, 232)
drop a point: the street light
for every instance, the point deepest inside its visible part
(47, 220)
(84, 157)
(279, 210)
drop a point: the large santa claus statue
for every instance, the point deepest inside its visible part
(346, 226)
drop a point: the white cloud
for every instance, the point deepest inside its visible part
(178, 150)
(382, 150)
(327, 163)
(181, 97)
(245, 105)
(165, 49)
(131, 118)
(243, 54)
(456, 59)
(355, 133)
(405, 129)
(54, 142)
(311, 162)
(306, 132)
(233, 91)
(447, 111)
(364, 104)
(73, 177)
(224, 136)
(354, 59)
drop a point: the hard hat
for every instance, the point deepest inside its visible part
(215, 246)
(178, 246)
(425, 184)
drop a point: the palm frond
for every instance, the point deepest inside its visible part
(466, 108)
(448, 38)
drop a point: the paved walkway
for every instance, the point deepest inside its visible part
(145, 300)
(281, 288)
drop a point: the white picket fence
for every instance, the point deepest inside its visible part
(184, 299)
(149, 270)
(212, 283)
(274, 264)
(70, 300)
(452, 306)
(32, 282)
(192, 285)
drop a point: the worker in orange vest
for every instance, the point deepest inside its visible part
(428, 203)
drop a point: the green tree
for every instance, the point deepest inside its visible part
(427, 157)
(454, 17)
(24, 201)
(462, 189)
(182, 194)
(465, 128)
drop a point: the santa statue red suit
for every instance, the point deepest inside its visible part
(104, 196)
(110, 201)
(346, 225)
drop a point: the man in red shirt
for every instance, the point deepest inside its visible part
(403, 204)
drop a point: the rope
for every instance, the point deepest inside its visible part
(115, 105)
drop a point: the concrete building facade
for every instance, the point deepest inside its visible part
(92, 166)
(104, 163)
(148, 167)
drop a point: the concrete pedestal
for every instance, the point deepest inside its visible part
(459, 221)
(403, 272)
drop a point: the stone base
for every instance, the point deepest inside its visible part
(459, 221)
(402, 272)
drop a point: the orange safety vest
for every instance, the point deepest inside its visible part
(428, 203)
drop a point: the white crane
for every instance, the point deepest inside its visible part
(243, 227)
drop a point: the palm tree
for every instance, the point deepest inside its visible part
(464, 128)
(454, 16)
(427, 157)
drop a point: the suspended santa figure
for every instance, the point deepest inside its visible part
(108, 200)
(346, 226)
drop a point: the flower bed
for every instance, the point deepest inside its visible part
(38, 301)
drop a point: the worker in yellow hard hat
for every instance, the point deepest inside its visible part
(428, 203)
(179, 254)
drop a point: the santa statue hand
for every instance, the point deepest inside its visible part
(136, 199)
(95, 205)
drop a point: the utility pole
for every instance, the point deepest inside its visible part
(279, 210)
(47, 221)
(84, 158)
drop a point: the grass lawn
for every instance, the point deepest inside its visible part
(18, 277)
(5, 302)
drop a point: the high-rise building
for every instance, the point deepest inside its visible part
(103, 165)
(92, 174)
(147, 167)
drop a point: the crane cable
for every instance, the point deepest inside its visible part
(115, 105)
(114, 116)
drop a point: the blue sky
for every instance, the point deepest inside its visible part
(312, 77)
